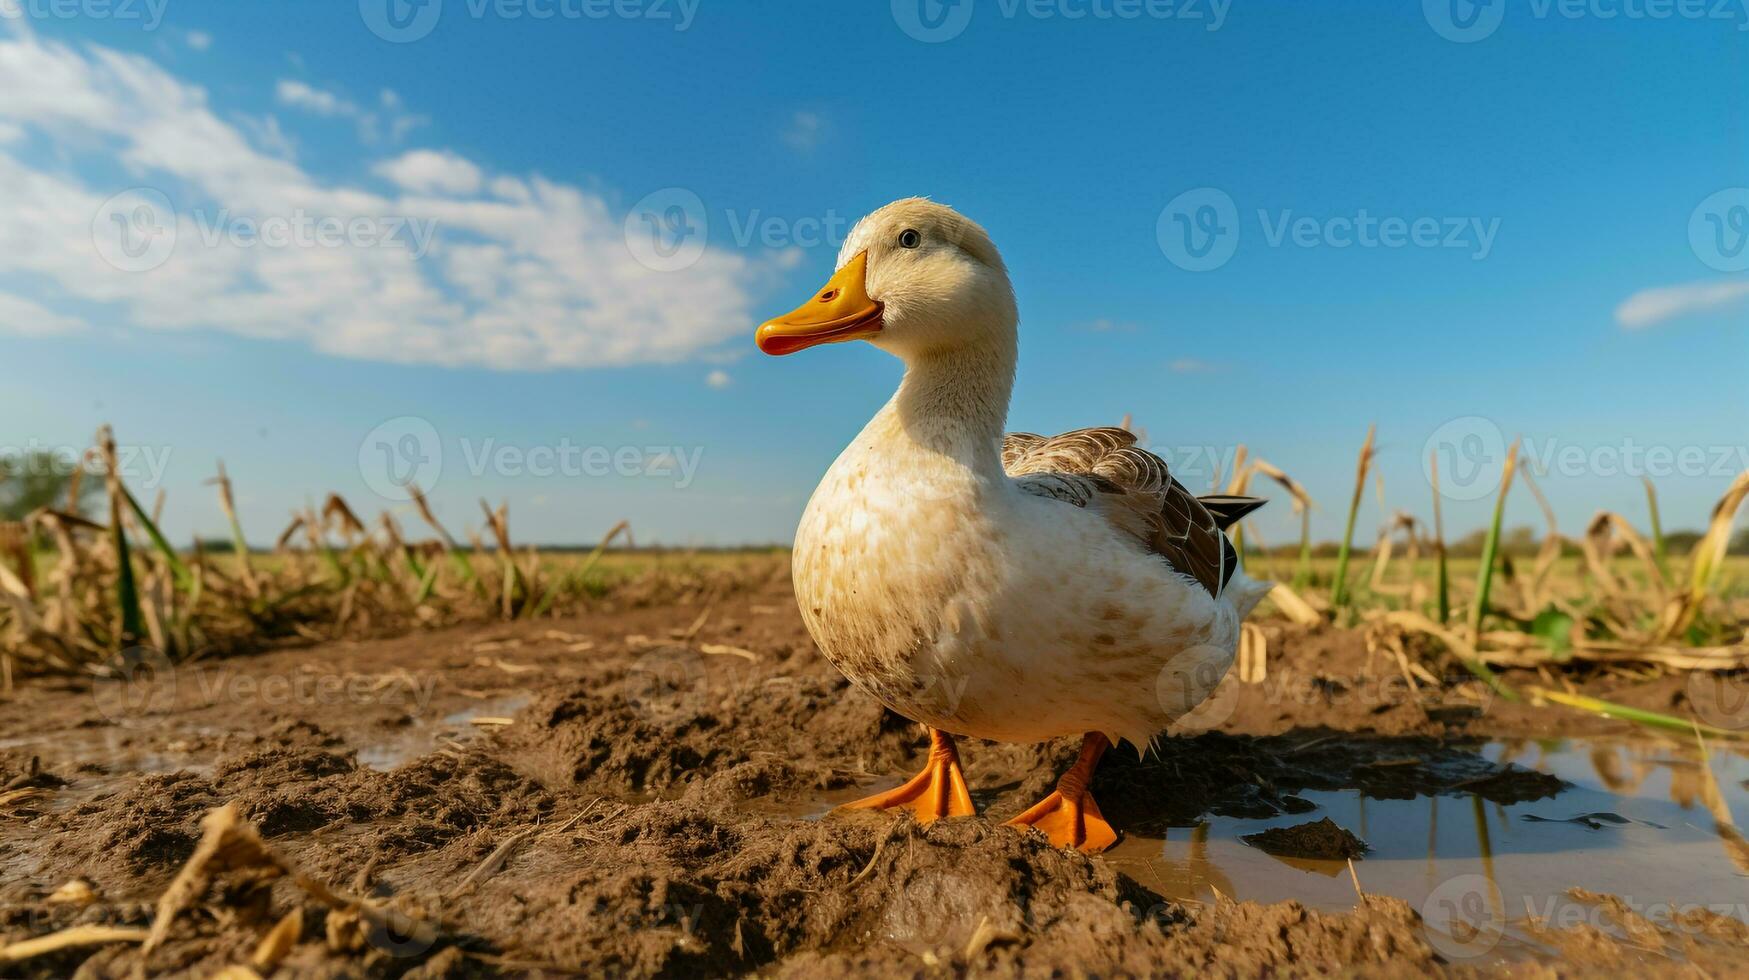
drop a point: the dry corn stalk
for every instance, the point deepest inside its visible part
(335, 513)
(1339, 592)
(1253, 658)
(230, 846)
(1599, 546)
(238, 543)
(1293, 606)
(1708, 558)
(15, 544)
(1302, 505)
(1534, 586)
(499, 523)
(424, 508)
(1412, 589)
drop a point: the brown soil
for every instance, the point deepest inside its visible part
(638, 793)
(1316, 839)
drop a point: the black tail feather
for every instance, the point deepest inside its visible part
(1229, 509)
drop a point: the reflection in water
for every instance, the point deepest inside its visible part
(1675, 797)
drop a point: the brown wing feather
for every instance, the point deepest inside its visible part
(1104, 470)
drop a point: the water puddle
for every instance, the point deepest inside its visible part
(421, 739)
(1649, 822)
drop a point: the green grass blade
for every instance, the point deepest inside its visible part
(1303, 570)
(1443, 575)
(1655, 719)
(1658, 551)
(427, 582)
(178, 569)
(1339, 596)
(1491, 545)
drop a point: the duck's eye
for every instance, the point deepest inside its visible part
(909, 238)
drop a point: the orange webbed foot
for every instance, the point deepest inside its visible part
(1069, 816)
(938, 791)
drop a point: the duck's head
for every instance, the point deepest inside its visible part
(913, 278)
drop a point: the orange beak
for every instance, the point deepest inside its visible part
(839, 311)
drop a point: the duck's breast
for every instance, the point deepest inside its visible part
(1084, 631)
(883, 563)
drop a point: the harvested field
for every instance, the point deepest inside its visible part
(647, 791)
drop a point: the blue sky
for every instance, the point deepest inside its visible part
(1578, 277)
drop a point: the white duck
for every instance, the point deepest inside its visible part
(1017, 588)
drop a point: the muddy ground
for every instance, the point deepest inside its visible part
(643, 792)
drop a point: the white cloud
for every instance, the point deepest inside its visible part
(805, 131)
(199, 40)
(432, 171)
(1649, 307)
(1190, 365)
(300, 95)
(21, 317)
(718, 379)
(391, 121)
(536, 276)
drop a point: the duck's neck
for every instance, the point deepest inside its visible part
(952, 406)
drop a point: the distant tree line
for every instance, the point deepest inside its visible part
(32, 480)
(1517, 542)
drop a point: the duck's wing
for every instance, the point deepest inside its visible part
(1103, 470)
